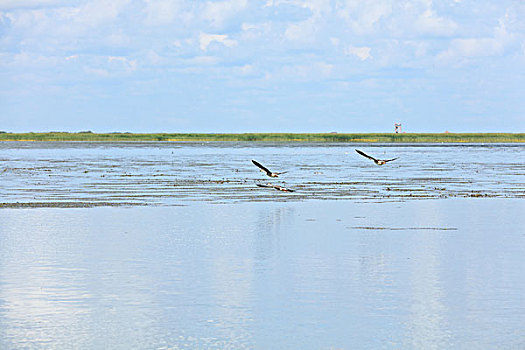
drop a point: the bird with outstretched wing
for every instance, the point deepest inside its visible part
(377, 161)
(277, 187)
(265, 170)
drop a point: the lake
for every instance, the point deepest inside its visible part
(173, 246)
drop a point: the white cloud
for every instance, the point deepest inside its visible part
(31, 20)
(105, 66)
(161, 12)
(317, 7)
(304, 31)
(474, 47)
(409, 18)
(19, 4)
(362, 52)
(464, 48)
(364, 16)
(255, 30)
(97, 12)
(219, 12)
(246, 70)
(429, 23)
(206, 39)
(123, 62)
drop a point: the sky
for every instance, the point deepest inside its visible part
(262, 66)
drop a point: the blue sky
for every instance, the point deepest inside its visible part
(262, 66)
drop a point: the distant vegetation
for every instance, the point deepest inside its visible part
(283, 137)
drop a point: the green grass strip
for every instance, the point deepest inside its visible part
(269, 137)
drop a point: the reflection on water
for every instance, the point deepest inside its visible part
(308, 275)
(427, 325)
(168, 173)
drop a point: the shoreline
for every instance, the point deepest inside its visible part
(269, 137)
(82, 204)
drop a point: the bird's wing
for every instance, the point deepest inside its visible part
(262, 167)
(364, 154)
(389, 160)
(263, 185)
(284, 189)
(277, 187)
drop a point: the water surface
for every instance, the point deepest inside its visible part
(181, 249)
(167, 173)
(442, 274)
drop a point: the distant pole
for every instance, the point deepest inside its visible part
(397, 128)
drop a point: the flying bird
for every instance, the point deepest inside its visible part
(277, 187)
(264, 169)
(377, 161)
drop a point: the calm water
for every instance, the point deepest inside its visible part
(210, 261)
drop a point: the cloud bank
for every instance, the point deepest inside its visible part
(240, 60)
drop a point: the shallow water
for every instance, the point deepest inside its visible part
(184, 251)
(168, 173)
(441, 273)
